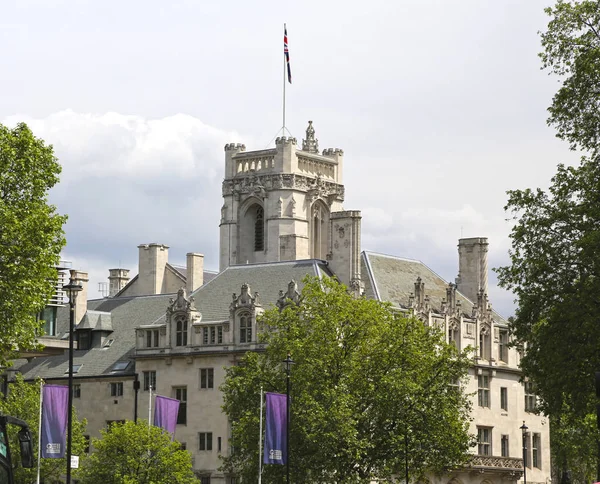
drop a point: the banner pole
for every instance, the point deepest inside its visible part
(260, 438)
(39, 461)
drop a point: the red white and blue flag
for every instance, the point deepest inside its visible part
(286, 52)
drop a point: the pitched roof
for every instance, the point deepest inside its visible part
(213, 298)
(390, 278)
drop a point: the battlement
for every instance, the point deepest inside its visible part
(285, 140)
(235, 147)
(333, 152)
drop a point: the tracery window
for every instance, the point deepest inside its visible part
(259, 230)
(181, 332)
(245, 328)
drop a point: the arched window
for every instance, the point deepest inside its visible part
(319, 238)
(484, 343)
(259, 230)
(245, 328)
(453, 334)
(181, 332)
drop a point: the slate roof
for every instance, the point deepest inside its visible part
(126, 314)
(213, 298)
(390, 278)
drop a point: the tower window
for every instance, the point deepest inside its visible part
(259, 230)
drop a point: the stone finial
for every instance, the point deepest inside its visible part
(310, 144)
(419, 292)
(291, 296)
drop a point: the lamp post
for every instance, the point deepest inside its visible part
(524, 431)
(288, 363)
(71, 290)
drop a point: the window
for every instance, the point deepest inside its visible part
(530, 398)
(453, 335)
(504, 446)
(181, 395)
(504, 398)
(205, 441)
(503, 346)
(181, 331)
(219, 444)
(76, 369)
(483, 390)
(205, 480)
(87, 444)
(152, 338)
(48, 315)
(259, 234)
(76, 390)
(116, 389)
(84, 339)
(149, 380)
(183, 446)
(245, 328)
(535, 451)
(212, 335)
(207, 377)
(484, 441)
(484, 344)
(120, 366)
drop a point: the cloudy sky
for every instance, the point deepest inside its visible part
(439, 105)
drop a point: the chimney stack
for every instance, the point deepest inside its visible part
(117, 280)
(195, 271)
(472, 267)
(153, 260)
(81, 278)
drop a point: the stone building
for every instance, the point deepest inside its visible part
(175, 329)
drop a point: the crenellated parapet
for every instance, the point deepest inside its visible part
(283, 140)
(333, 152)
(235, 147)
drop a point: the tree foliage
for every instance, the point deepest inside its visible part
(572, 50)
(134, 453)
(374, 392)
(23, 401)
(555, 265)
(31, 235)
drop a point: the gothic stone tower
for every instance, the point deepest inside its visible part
(286, 204)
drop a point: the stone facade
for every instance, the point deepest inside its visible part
(176, 329)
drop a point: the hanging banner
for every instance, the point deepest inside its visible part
(276, 429)
(54, 421)
(165, 413)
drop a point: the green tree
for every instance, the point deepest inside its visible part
(374, 393)
(31, 236)
(572, 51)
(133, 453)
(555, 268)
(23, 401)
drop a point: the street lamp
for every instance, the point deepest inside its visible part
(71, 290)
(288, 363)
(524, 431)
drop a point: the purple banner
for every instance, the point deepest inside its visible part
(276, 429)
(55, 401)
(165, 413)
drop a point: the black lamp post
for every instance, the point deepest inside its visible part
(71, 290)
(288, 363)
(524, 431)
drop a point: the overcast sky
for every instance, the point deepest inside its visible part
(440, 107)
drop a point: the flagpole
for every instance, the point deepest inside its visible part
(40, 431)
(260, 438)
(284, 69)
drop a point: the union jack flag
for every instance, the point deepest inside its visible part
(286, 52)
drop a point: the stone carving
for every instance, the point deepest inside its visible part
(291, 296)
(245, 299)
(279, 207)
(310, 144)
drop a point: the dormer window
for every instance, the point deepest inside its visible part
(453, 336)
(84, 339)
(484, 343)
(245, 328)
(181, 332)
(152, 336)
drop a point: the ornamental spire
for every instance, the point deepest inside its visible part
(310, 144)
